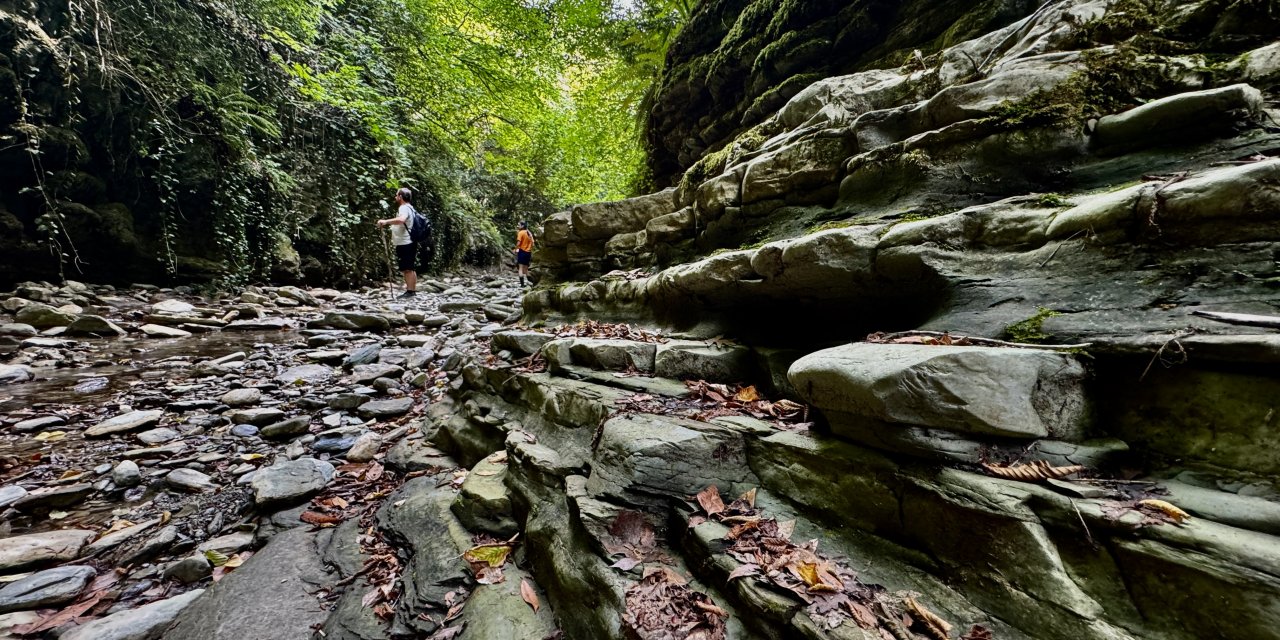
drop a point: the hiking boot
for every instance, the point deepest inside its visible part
(407, 294)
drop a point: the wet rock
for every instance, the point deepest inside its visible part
(498, 611)
(43, 316)
(435, 321)
(115, 539)
(521, 342)
(53, 497)
(46, 588)
(411, 455)
(363, 355)
(366, 373)
(365, 447)
(271, 595)
(158, 436)
(484, 501)
(42, 342)
(126, 474)
(131, 421)
(176, 307)
(1007, 392)
(228, 544)
(701, 361)
(294, 293)
(379, 409)
(336, 440)
(305, 374)
(241, 397)
(189, 480)
(244, 431)
(190, 569)
(413, 341)
(90, 325)
(152, 547)
(10, 494)
(1152, 122)
(347, 401)
(147, 622)
(355, 321)
(257, 417)
(260, 324)
(161, 331)
(250, 297)
(287, 428)
(12, 374)
(288, 482)
(39, 424)
(40, 548)
(17, 330)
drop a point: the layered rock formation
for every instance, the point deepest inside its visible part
(1084, 178)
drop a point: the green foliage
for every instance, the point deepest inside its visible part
(233, 125)
(1053, 200)
(1030, 330)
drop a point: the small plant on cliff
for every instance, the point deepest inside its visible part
(1031, 329)
(1052, 200)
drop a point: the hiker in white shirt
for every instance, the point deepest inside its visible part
(406, 249)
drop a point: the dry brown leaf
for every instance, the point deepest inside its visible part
(709, 500)
(936, 627)
(527, 592)
(749, 497)
(747, 394)
(1176, 514)
(319, 519)
(1032, 471)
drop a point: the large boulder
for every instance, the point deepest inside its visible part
(603, 220)
(46, 588)
(91, 325)
(43, 316)
(40, 548)
(1019, 393)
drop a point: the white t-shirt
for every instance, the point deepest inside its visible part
(400, 232)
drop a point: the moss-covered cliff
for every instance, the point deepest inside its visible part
(738, 61)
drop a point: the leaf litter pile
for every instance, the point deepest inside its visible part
(609, 330)
(829, 588)
(706, 401)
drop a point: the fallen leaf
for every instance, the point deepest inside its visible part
(526, 592)
(1168, 509)
(625, 564)
(317, 518)
(51, 436)
(58, 515)
(710, 501)
(747, 394)
(1032, 471)
(493, 555)
(215, 557)
(743, 572)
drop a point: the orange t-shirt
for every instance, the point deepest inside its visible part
(524, 240)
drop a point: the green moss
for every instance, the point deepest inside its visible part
(1053, 200)
(1031, 329)
(830, 224)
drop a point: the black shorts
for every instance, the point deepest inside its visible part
(407, 256)
(523, 257)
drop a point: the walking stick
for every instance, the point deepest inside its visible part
(391, 274)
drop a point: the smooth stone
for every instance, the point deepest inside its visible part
(46, 588)
(415, 341)
(10, 494)
(161, 331)
(367, 373)
(286, 429)
(363, 355)
(117, 538)
(131, 421)
(289, 482)
(258, 417)
(38, 424)
(336, 440)
(126, 474)
(189, 480)
(90, 325)
(190, 569)
(158, 436)
(176, 307)
(241, 397)
(228, 544)
(365, 448)
(17, 330)
(304, 374)
(386, 408)
(53, 497)
(347, 401)
(13, 374)
(37, 548)
(244, 431)
(147, 622)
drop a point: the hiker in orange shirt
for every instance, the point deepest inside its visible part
(523, 250)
